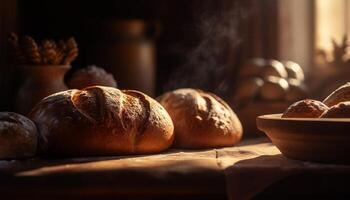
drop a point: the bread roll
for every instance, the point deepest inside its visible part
(248, 89)
(201, 119)
(274, 89)
(294, 70)
(101, 121)
(18, 136)
(339, 95)
(341, 110)
(252, 68)
(90, 76)
(274, 68)
(305, 109)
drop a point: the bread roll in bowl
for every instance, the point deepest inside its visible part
(201, 119)
(101, 121)
(18, 136)
(307, 108)
(339, 95)
(341, 110)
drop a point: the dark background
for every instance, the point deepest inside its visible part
(250, 25)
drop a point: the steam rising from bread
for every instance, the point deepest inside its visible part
(207, 63)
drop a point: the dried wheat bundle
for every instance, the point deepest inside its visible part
(25, 51)
(30, 49)
(60, 51)
(71, 51)
(48, 51)
(15, 50)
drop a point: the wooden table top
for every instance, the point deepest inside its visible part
(174, 174)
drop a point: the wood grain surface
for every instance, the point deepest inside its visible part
(255, 168)
(174, 174)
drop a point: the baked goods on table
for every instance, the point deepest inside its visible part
(201, 119)
(336, 105)
(18, 136)
(274, 68)
(274, 88)
(90, 76)
(249, 88)
(294, 70)
(266, 86)
(278, 81)
(101, 121)
(252, 68)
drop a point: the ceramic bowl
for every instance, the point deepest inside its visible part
(309, 139)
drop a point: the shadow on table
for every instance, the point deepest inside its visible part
(277, 177)
(183, 179)
(11, 166)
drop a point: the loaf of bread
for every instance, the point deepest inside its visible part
(18, 136)
(101, 121)
(201, 119)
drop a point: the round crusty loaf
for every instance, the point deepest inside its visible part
(101, 121)
(201, 119)
(18, 136)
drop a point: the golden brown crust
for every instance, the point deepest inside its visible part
(102, 121)
(307, 108)
(18, 136)
(339, 95)
(201, 119)
(341, 110)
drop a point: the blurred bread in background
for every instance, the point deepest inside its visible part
(274, 88)
(270, 80)
(90, 76)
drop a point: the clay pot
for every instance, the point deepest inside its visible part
(125, 49)
(38, 81)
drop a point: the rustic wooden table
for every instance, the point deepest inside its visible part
(175, 174)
